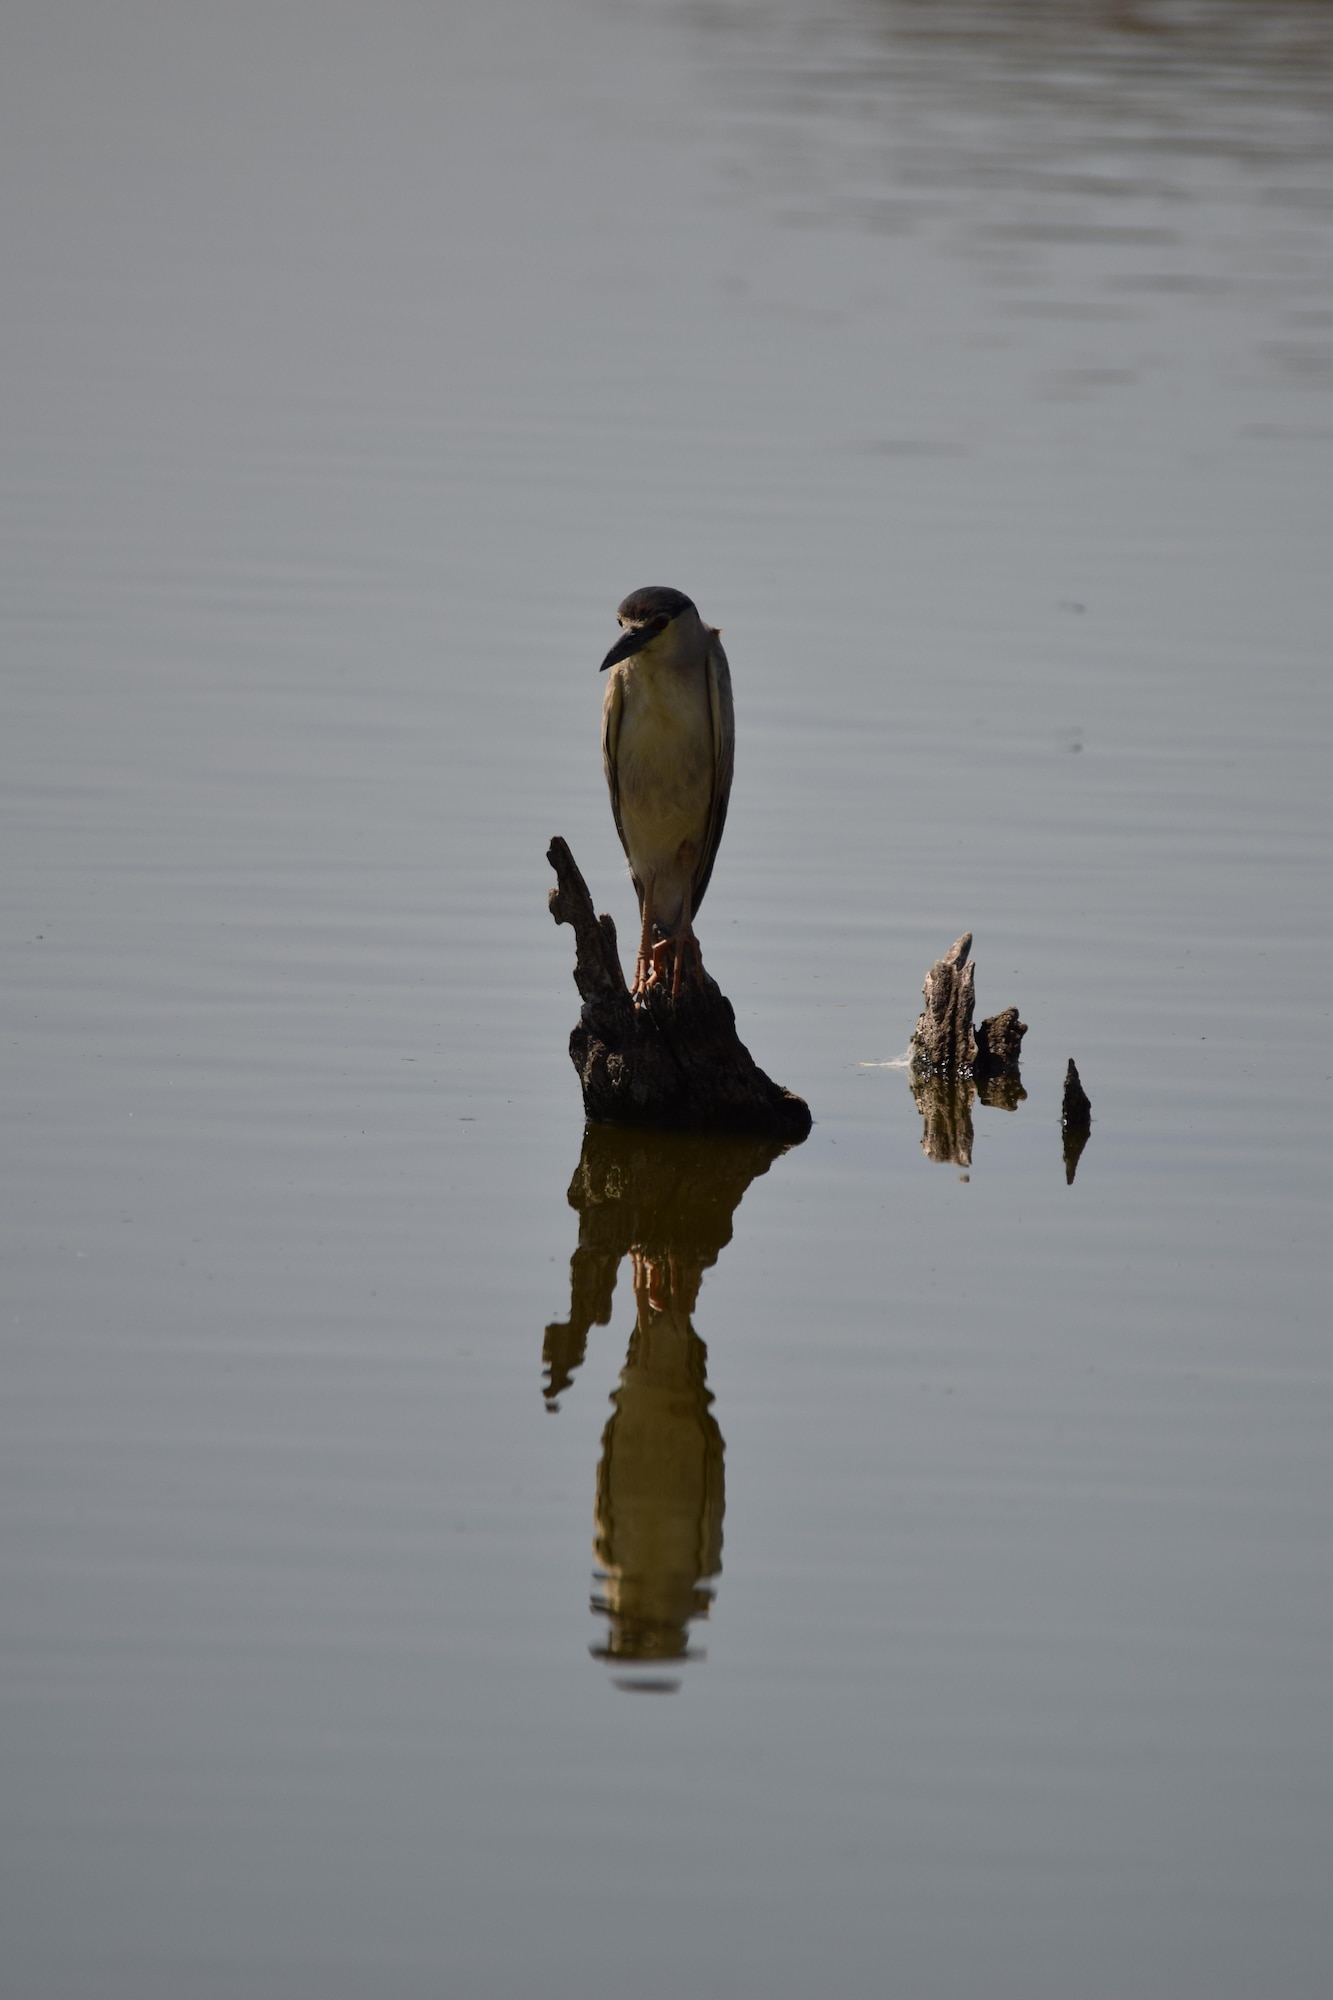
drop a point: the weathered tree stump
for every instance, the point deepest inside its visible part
(945, 1043)
(675, 1065)
(999, 1045)
(952, 1064)
(1075, 1120)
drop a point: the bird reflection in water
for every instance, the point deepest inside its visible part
(665, 1200)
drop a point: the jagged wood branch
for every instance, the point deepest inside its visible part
(677, 1065)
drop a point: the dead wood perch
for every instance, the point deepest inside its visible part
(945, 1042)
(673, 1065)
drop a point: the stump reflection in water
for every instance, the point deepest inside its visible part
(945, 1104)
(665, 1200)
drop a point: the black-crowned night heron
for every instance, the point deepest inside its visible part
(668, 747)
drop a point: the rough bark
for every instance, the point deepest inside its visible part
(999, 1045)
(945, 1043)
(671, 1065)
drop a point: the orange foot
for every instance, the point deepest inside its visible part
(675, 952)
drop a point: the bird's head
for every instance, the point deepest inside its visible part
(644, 616)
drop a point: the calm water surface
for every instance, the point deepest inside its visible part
(445, 1553)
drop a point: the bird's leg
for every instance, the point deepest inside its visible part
(663, 957)
(686, 943)
(643, 964)
(686, 946)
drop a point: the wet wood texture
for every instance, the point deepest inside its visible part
(945, 1042)
(674, 1065)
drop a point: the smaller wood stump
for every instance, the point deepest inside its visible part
(672, 1065)
(945, 1043)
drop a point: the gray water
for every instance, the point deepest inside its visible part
(907, 1576)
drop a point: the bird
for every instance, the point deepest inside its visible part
(668, 750)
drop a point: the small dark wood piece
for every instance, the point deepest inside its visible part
(1075, 1120)
(1076, 1110)
(999, 1045)
(945, 1043)
(676, 1065)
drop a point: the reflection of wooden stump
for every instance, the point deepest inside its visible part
(945, 1104)
(675, 1065)
(945, 1043)
(670, 1195)
(1002, 1093)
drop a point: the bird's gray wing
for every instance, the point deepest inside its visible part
(724, 762)
(612, 706)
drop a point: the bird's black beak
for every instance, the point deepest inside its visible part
(633, 641)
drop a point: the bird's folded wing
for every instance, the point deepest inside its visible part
(724, 762)
(612, 708)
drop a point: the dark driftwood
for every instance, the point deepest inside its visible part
(1075, 1120)
(673, 1065)
(999, 1045)
(945, 1043)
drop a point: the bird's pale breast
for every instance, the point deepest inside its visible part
(665, 773)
